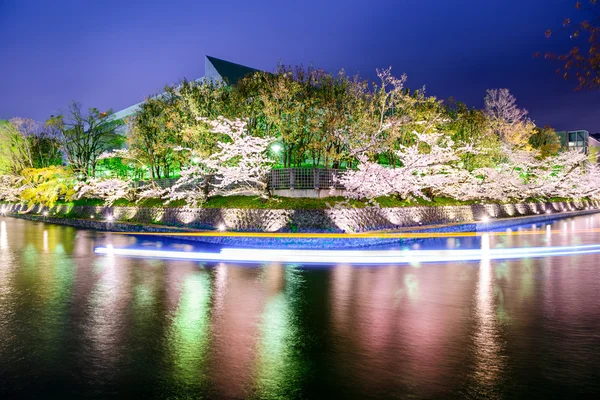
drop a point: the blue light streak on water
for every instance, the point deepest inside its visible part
(370, 257)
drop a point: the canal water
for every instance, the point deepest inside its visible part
(77, 325)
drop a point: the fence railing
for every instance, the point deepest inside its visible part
(161, 183)
(305, 178)
(280, 178)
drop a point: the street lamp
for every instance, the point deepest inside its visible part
(276, 148)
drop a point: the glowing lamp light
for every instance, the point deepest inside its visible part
(485, 219)
(110, 218)
(45, 213)
(276, 148)
(548, 211)
(221, 227)
(91, 217)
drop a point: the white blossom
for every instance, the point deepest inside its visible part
(240, 166)
(11, 187)
(109, 190)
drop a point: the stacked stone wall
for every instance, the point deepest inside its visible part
(329, 220)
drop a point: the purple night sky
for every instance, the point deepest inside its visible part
(112, 54)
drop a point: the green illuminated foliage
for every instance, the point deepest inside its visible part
(48, 185)
(546, 141)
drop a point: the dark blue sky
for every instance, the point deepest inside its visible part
(111, 54)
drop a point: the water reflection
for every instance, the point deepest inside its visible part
(189, 333)
(86, 326)
(3, 235)
(106, 315)
(487, 341)
(279, 369)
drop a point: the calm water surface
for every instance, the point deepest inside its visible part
(77, 325)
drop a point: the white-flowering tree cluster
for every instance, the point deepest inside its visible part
(240, 166)
(391, 141)
(428, 166)
(109, 190)
(435, 170)
(11, 187)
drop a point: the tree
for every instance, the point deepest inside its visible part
(46, 185)
(287, 107)
(11, 187)
(240, 166)
(583, 60)
(427, 167)
(546, 141)
(34, 145)
(84, 136)
(507, 120)
(472, 126)
(46, 148)
(109, 190)
(15, 154)
(155, 130)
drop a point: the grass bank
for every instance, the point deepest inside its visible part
(287, 203)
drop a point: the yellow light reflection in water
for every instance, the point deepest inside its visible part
(220, 288)
(107, 304)
(489, 363)
(6, 268)
(3, 236)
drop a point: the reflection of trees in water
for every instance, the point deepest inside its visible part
(399, 326)
(188, 337)
(240, 293)
(281, 362)
(105, 324)
(36, 276)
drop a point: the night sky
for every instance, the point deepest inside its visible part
(111, 54)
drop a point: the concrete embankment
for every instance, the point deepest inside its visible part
(175, 221)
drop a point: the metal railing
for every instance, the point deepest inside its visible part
(161, 183)
(280, 178)
(304, 178)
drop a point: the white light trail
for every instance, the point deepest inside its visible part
(373, 257)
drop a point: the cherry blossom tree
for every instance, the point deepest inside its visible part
(109, 190)
(427, 167)
(240, 166)
(11, 187)
(523, 175)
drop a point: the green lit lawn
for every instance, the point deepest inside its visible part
(291, 203)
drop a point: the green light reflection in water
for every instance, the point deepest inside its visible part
(280, 368)
(48, 279)
(189, 334)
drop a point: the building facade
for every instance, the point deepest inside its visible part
(574, 140)
(215, 69)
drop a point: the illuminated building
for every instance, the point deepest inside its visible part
(215, 69)
(574, 140)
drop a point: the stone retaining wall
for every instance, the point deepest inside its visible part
(330, 220)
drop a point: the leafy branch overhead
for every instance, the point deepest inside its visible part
(582, 61)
